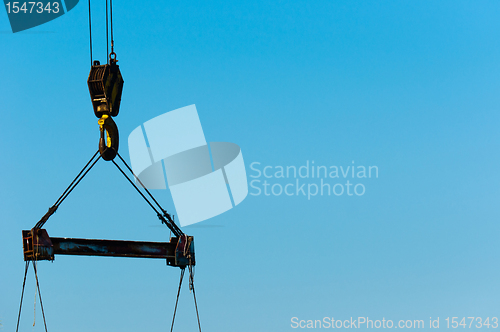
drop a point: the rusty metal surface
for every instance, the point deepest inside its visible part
(37, 245)
(184, 251)
(115, 248)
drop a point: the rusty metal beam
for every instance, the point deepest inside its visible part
(38, 245)
(114, 248)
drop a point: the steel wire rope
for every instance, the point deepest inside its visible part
(68, 191)
(191, 287)
(177, 232)
(40, 296)
(177, 300)
(22, 294)
(111, 24)
(107, 33)
(90, 33)
(170, 223)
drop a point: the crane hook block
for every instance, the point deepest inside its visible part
(105, 86)
(108, 143)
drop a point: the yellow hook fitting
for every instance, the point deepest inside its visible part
(108, 148)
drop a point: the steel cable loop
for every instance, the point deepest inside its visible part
(40, 296)
(177, 300)
(170, 224)
(22, 294)
(191, 287)
(68, 190)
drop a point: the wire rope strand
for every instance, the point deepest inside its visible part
(177, 231)
(22, 294)
(111, 18)
(76, 177)
(174, 227)
(107, 33)
(77, 182)
(90, 33)
(133, 184)
(177, 300)
(68, 190)
(40, 296)
(140, 182)
(191, 286)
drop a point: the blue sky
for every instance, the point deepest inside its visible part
(411, 87)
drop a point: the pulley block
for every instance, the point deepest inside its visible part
(105, 86)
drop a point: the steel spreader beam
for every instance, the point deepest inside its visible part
(38, 245)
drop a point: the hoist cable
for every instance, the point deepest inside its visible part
(107, 33)
(196, 306)
(172, 226)
(176, 230)
(111, 18)
(68, 190)
(35, 255)
(191, 287)
(22, 294)
(177, 300)
(90, 33)
(40, 296)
